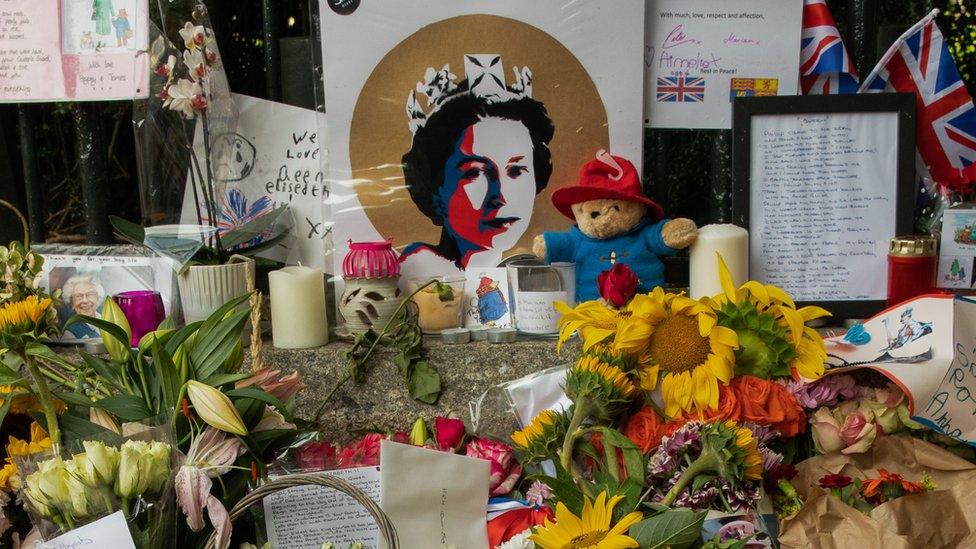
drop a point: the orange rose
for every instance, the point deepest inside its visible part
(795, 419)
(645, 429)
(728, 407)
(768, 403)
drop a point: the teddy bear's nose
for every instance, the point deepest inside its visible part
(594, 215)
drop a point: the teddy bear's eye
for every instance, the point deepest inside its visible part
(615, 207)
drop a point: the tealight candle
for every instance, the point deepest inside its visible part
(501, 335)
(456, 336)
(730, 241)
(298, 308)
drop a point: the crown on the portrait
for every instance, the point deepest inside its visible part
(484, 78)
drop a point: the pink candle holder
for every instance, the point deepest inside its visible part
(143, 309)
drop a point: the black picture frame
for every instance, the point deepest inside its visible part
(744, 108)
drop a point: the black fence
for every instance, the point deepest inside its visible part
(69, 166)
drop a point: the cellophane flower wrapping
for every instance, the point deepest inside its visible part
(98, 476)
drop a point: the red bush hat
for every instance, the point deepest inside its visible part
(606, 176)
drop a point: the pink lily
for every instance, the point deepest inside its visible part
(212, 453)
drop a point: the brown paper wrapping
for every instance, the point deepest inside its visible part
(945, 517)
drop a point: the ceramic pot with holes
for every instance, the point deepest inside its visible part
(371, 272)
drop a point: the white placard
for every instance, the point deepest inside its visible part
(110, 531)
(274, 158)
(305, 517)
(585, 64)
(535, 313)
(698, 55)
(435, 499)
(822, 203)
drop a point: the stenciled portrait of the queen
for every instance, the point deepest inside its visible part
(478, 158)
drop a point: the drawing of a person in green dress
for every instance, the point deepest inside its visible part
(102, 13)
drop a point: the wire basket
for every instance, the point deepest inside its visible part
(387, 531)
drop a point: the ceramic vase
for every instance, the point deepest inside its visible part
(205, 288)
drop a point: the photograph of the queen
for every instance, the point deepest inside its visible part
(479, 156)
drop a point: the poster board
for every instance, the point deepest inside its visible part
(699, 55)
(273, 158)
(64, 50)
(389, 67)
(823, 183)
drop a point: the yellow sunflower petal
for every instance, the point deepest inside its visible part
(757, 291)
(776, 294)
(705, 324)
(705, 390)
(725, 278)
(811, 312)
(793, 321)
(725, 336)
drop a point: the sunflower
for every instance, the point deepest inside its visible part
(39, 442)
(629, 327)
(24, 316)
(599, 386)
(774, 340)
(540, 439)
(751, 458)
(590, 531)
(693, 353)
(639, 367)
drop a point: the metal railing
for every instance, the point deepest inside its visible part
(688, 171)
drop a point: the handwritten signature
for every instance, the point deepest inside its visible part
(678, 37)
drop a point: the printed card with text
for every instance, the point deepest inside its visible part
(70, 50)
(699, 56)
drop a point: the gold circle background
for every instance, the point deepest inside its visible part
(380, 136)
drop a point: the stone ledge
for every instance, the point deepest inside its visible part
(382, 402)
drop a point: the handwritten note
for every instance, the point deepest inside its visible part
(952, 407)
(822, 203)
(534, 311)
(63, 51)
(274, 158)
(305, 517)
(699, 55)
(110, 531)
(435, 499)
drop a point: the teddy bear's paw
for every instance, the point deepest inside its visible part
(679, 233)
(539, 246)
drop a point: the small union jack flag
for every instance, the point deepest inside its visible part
(681, 89)
(825, 67)
(920, 63)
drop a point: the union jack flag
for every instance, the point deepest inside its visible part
(919, 62)
(681, 89)
(825, 67)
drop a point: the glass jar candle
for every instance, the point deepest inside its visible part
(912, 263)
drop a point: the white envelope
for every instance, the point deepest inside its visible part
(435, 499)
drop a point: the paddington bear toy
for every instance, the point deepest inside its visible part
(615, 223)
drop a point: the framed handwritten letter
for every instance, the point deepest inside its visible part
(700, 55)
(823, 183)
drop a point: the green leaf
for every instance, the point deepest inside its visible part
(39, 350)
(104, 370)
(674, 528)
(246, 232)
(263, 396)
(125, 407)
(214, 346)
(264, 245)
(76, 428)
(566, 492)
(4, 408)
(180, 336)
(73, 398)
(129, 231)
(113, 329)
(424, 383)
(8, 376)
(217, 380)
(633, 457)
(168, 377)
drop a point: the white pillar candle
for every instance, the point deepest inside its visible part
(730, 241)
(298, 308)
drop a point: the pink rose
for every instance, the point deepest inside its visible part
(449, 433)
(858, 432)
(826, 432)
(364, 453)
(891, 396)
(505, 470)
